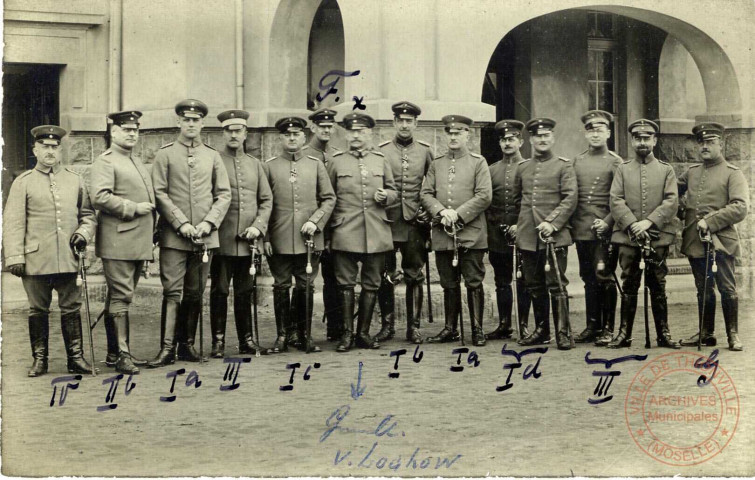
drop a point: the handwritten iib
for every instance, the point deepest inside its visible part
(329, 87)
(387, 428)
(605, 378)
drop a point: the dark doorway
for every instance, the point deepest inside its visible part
(31, 98)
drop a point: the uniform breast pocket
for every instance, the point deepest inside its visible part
(126, 226)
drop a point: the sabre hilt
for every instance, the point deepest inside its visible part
(253, 266)
(82, 256)
(200, 243)
(453, 231)
(548, 241)
(309, 243)
(707, 239)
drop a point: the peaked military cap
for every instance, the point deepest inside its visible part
(323, 116)
(540, 125)
(357, 121)
(290, 124)
(191, 108)
(643, 128)
(456, 122)
(233, 119)
(705, 130)
(405, 108)
(509, 128)
(596, 117)
(48, 134)
(128, 119)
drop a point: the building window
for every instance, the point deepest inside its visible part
(601, 25)
(601, 64)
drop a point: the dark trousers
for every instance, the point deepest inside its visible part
(226, 269)
(536, 278)
(412, 257)
(723, 279)
(182, 272)
(347, 268)
(39, 292)
(283, 267)
(470, 263)
(631, 275)
(590, 254)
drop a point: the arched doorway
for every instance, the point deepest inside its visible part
(326, 53)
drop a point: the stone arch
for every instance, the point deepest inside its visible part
(681, 94)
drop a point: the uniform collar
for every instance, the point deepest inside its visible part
(318, 144)
(515, 158)
(46, 170)
(193, 143)
(648, 160)
(461, 152)
(233, 153)
(403, 143)
(714, 162)
(294, 157)
(543, 158)
(358, 153)
(118, 149)
(603, 150)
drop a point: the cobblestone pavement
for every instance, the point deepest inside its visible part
(441, 422)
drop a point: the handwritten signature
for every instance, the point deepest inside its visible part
(388, 427)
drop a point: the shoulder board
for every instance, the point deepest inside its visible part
(695, 165)
(423, 143)
(564, 159)
(167, 145)
(28, 172)
(337, 154)
(614, 154)
(662, 162)
(733, 167)
(495, 163)
(523, 161)
(335, 149)
(313, 158)
(376, 152)
(475, 155)
(629, 160)
(581, 154)
(270, 159)
(305, 147)
(72, 171)
(384, 143)
(440, 156)
(252, 157)
(107, 152)
(209, 146)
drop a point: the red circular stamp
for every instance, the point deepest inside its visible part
(678, 417)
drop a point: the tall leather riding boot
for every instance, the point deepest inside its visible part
(560, 306)
(332, 312)
(190, 321)
(524, 301)
(413, 312)
(295, 337)
(730, 306)
(283, 322)
(628, 310)
(504, 298)
(168, 321)
(660, 317)
(367, 301)
(451, 307)
(218, 317)
(608, 314)
(242, 315)
(387, 301)
(124, 364)
(70, 324)
(476, 304)
(346, 301)
(593, 307)
(112, 342)
(302, 307)
(39, 332)
(709, 321)
(541, 308)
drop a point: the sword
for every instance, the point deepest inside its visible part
(82, 281)
(707, 241)
(205, 259)
(454, 230)
(646, 251)
(309, 242)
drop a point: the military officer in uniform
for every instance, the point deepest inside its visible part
(500, 216)
(193, 195)
(644, 203)
(303, 200)
(456, 192)
(245, 221)
(121, 190)
(322, 127)
(545, 192)
(591, 226)
(715, 197)
(409, 160)
(47, 216)
(359, 230)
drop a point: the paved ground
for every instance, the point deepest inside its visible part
(541, 426)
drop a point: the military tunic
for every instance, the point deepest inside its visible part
(322, 152)
(119, 181)
(644, 190)
(459, 180)
(251, 204)
(359, 225)
(302, 193)
(45, 207)
(191, 186)
(502, 213)
(717, 192)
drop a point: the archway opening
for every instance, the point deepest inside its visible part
(326, 53)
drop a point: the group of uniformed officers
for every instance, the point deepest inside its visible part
(210, 211)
